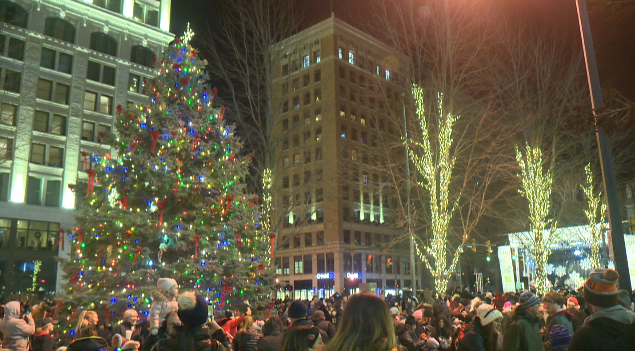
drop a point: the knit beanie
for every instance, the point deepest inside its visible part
(164, 284)
(528, 299)
(297, 310)
(487, 314)
(573, 300)
(192, 309)
(394, 311)
(601, 287)
(559, 337)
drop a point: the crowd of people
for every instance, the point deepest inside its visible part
(598, 317)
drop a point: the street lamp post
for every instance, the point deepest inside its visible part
(617, 247)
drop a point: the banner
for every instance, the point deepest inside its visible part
(629, 240)
(507, 268)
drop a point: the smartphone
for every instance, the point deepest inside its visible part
(210, 310)
(28, 311)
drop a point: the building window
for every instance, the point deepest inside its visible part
(351, 77)
(343, 131)
(53, 192)
(101, 73)
(316, 56)
(33, 192)
(105, 104)
(307, 137)
(6, 149)
(43, 122)
(296, 140)
(56, 157)
(285, 263)
(13, 14)
(44, 89)
(307, 177)
(306, 80)
(8, 114)
(347, 236)
(319, 195)
(318, 154)
(38, 153)
(296, 102)
(111, 5)
(318, 175)
(104, 43)
(285, 162)
(351, 57)
(307, 157)
(318, 134)
(318, 94)
(103, 130)
(307, 98)
(48, 58)
(278, 266)
(306, 61)
(296, 65)
(317, 76)
(285, 69)
(319, 238)
(285, 182)
(90, 101)
(342, 91)
(340, 53)
(88, 131)
(342, 72)
(12, 80)
(285, 144)
(4, 193)
(135, 83)
(296, 180)
(297, 263)
(296, 241)
(387, 74)
(59, 29)
(318, 114)
(141, 55)
(16, 49)
(62, 92)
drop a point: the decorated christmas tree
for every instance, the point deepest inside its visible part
(169, 202)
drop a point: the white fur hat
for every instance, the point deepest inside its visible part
(164, 284)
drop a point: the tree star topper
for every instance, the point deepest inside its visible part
(187, 36)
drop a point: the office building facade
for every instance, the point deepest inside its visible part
(333, 87)
(65, 66)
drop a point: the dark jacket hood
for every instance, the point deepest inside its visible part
(565, 313)
(91, 343)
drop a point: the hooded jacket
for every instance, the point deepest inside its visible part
(202, 339)
(611, 328)
(161, 306)
(407, 338)
(14, 329)
(474, 338)
(523, 333)
(91, 343)
(42, 342)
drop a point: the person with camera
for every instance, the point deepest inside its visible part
(16, 328)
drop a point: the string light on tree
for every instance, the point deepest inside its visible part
(595, 212)
(435, 166)
(536, 188)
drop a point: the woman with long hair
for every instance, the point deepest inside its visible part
(272, 335)
(247, 337)
(482, 332)
(86, 319)
(365, 326)
(443, 332)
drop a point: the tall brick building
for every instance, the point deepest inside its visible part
(333, 86)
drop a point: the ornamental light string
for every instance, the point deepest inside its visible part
(436, 166)
(536, 188)
(595, 212)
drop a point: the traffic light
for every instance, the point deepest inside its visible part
(474, 245)
(370, 260)
(389, 262)
(488, 249)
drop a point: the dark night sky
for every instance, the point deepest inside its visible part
(612, 26)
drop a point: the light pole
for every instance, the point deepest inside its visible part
(617, 247)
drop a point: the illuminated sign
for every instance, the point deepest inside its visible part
(353, 276)
(325, 275)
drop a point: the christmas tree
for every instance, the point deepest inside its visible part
(170, 203)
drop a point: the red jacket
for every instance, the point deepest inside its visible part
(231, 327)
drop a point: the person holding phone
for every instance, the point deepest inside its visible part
(15, 328)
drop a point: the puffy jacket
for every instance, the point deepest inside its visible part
(246, 339)
(91, 343)
(609, 329)
(307, 323)
(15, 330)
(474, 337)
(160, 308)
(523, 333)
(319, 320)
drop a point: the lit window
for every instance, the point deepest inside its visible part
(306, 61)
(387, 74)
(351, 57)
(316, 56)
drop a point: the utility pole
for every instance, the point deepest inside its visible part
(413, 275)
(617, 246)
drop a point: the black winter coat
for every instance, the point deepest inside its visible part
(308, 323)
(42, 342)
(203, 341)
(475, 337)
(408, 339)
(271, 342)
(246, 340)
(91, 343)
(603, 334)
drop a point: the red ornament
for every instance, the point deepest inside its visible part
(161, 206)
(177, 66)
(85, 155)
(213, 93)
(80, 232)
(229, 200)
(125, 200)
(222, 112)
(154, 135)
(138, 251)
(196, 239)
(253, 202)
(119, 109)
(184, 81)
(99, 256)
(232, 158)
(239, 241)
(128, 234)
(91, 181)
(251, 157)
(195, 144)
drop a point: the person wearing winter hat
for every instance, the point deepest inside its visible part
(193, 334)
(611, 326)
(579, 315)
(482, 333)
(304, 338)
(559, 338)
(554, 303)
(523, 331)
(297, 313)
(405, 333)
(164, 302)
(319, 320)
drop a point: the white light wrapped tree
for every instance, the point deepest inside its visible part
(595, 212)
(537, 185)
(436, 167)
